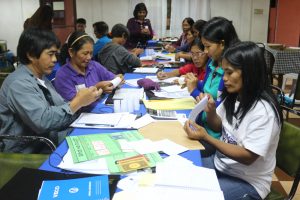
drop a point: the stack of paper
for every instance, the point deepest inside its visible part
(176, 178)
(145, 70)
(104, 121)
(170, 104)
(100, 153)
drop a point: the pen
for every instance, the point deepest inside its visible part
(102, 125)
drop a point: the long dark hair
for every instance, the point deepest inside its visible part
(76, 40)
(248, 57)
(139, 7)
(220, 29)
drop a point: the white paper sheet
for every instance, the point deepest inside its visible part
(198, 108)
(145, 70)
(126, 120)
(169, 147)
(98, 166)
(142, 121)
(132, 82)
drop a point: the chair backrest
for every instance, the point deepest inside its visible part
(297, 91)
(269, 58)
(11, 163)
(288, 151)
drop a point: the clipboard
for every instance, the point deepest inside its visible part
(171, 130)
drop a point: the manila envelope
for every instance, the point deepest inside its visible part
(171, 130)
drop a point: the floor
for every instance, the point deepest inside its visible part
(281, 181)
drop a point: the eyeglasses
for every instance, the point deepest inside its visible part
(197, 54)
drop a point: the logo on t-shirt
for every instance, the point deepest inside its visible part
(228, 137)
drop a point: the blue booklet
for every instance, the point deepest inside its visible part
(94, 188)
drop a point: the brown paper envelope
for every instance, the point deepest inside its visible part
(171, 130)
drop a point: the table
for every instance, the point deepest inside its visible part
(55, 158)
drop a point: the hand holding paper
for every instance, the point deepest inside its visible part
(200, 106)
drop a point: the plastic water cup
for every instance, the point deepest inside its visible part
(117, 106)
(124, 105)
(136, 102)
(130, 104)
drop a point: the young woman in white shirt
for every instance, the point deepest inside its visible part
(250, 120)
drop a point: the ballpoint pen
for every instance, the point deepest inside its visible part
(102, 125)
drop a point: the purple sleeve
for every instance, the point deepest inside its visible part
(102, 72)
(64, 84)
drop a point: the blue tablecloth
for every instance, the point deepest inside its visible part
(56, 157)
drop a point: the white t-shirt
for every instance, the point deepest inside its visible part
(259, 133)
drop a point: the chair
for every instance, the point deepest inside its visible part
(11, 163)
(292, 100)
(269, 58)
(288, 159)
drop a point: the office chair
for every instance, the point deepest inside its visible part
(288, 159)
(11, 163)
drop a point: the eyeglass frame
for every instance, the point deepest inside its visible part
(198, 54)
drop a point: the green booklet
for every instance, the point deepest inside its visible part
(109, 146)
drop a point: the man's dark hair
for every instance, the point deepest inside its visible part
(120, 30)
(101, 28)
(33, 41)
(81, 21)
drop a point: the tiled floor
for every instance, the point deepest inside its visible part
(283, 183)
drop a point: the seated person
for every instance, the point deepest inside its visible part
(80, 71)
(29, 104)
(250, 120)
(183, 52)
(197, 28)
(197, 67)
(100, 31)
(187, 25)
(139, 27)
(115, 57)
(217, 35)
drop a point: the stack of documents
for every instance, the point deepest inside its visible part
(170, 104)
(105, 121)
(100, 153)
(145, 70)
(176, 178)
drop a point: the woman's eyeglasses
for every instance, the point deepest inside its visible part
(197, 54)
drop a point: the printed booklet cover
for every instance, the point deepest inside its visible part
(94, 188)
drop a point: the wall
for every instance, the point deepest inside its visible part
(110, 11)
(248, 25)
(288, 23)
(13, 15)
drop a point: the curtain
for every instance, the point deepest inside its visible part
(157, 13)
(196, 9)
